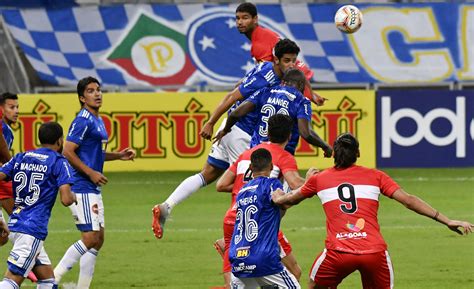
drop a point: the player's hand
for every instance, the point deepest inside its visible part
(456, 226)
(312, 171)
(220, 134)
(327, 152)
(277, 194)
(127, 154)
(207, 131)
(98, 178)
(319, 100)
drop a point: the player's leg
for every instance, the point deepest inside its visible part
(6, 196)
(21, 259)
(287, 257)
(44, 271)
(217, 163)
(89, 217)
(330, 268)
(376, 271)
(243, 283)
(284, 279)
(226, 266)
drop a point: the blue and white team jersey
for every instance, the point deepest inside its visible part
(88, 132)
(8, 134)
(36, 176)
(262, 75)
(254, 249)
(283, 100)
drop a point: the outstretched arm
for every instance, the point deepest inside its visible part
(5, 155)
(127, 154)
(222, 108)
(421, 207)
(226, 182)
(315, 97)
(243, 109)
(286, 201)
(312, 137)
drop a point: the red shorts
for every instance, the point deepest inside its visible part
(6, 191)
(229, 229)
(331, 267)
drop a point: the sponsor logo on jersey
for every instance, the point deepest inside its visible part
(357, 227)
(243, 267)
(242, 252)
(354, 235)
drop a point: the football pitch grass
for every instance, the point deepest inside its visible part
(425, 254)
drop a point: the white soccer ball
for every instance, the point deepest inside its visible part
(348, 19)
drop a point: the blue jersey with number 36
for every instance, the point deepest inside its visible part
(254, 249)
(37, 176)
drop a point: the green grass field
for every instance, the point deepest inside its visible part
(425, 254)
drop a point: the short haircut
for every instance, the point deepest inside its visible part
(285, 46)
(7, 95)
(83, 83)
(279, 128)
(50, 133)
(260, 159)
(294, 77)
(247, 7)
(346, 150)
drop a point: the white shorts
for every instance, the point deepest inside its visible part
(231, 146)
(284, 279)
(26, 253)
(89, 212)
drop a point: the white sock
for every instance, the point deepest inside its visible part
(46, 284)
(72, 255)
(187, 187)
(87, 269)
(8, 284)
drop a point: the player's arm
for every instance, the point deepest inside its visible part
(288, 200)
(226, 182)
(127, 154)
(69, 152)
(243, 109)
(5, 155)
(315, 97)
(226, 103)
(309, 135)
(67, 197)
(293, 179)
(419, 206)
(3, 176)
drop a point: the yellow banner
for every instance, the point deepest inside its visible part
(163, 127)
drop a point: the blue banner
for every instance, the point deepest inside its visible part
(199, 43)
(425, 128)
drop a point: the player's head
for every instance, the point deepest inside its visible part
(346, 150)
(10, 106)
(295, 78)
(261, 162)
(51, 133)
(246, 17)
(286, 51)
(89, 92)
(279, 128)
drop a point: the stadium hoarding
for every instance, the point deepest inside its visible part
(163, 127)
(186, 44)
(425, 128)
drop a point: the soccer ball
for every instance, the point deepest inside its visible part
(348, 19)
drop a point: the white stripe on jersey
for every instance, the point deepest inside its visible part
(85, 113)
(317, 264)
(83, 133)
(243, 166)
(270, 76)
(361, 192)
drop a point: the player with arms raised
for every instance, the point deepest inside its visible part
(350, 197)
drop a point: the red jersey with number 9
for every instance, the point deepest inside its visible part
(350, 199)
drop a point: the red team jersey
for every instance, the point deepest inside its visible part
(350, 199)
(282, 161)
(263, 40)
